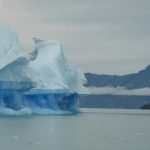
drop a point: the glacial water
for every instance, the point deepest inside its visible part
(93, 129)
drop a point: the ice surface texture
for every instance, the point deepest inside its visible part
(42, 82)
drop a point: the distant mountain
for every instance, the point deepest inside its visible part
(129, 81)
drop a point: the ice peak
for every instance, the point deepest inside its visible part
(42, 42)
(10, 47)
(38, 40)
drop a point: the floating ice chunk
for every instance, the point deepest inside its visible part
(51, 129)
(33, 143)
(16, 137)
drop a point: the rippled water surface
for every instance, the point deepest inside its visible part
(93, 129)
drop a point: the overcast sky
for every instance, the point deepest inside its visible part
(100, 36)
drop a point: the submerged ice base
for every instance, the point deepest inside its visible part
(13, 102)
(42, 82)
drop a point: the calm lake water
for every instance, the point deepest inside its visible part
(93, 129)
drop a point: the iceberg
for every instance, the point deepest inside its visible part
(40, 82)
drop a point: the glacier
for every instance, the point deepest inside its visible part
(40, 82)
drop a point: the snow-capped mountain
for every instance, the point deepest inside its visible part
(137, 80)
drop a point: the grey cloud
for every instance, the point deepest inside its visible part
(98, 36)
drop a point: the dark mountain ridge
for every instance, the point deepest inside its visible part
(137, 80)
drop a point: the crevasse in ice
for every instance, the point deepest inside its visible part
(42, 82)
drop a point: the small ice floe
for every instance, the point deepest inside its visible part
(138, 133)
(16, 137)
(33, 143)
(51, 129)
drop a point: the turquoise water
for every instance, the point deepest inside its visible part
(93, 129)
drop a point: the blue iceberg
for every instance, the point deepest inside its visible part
(41, 82)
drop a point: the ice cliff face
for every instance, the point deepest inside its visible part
(53, 70)
(41, 80)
